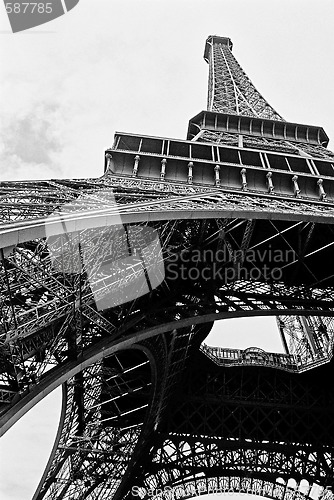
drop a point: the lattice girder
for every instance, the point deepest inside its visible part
(44, 334)
(49, 326)
(215, 428)
(230, 89)
(141, 407)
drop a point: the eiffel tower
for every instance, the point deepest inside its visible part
(111, 285)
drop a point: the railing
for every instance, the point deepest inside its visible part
(252, 356)
(35, 318)
(229, 485)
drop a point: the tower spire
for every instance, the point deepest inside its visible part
(230, 90)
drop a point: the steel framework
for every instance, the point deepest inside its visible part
(110, 286)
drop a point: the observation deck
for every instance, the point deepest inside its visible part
(171, 165)
(254, 356)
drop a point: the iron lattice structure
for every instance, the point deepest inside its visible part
(236, 220)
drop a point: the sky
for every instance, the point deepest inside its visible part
(137, 66)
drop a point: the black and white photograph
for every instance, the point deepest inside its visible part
(166, 250)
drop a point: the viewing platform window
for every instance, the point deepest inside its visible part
(151, 146)
(229, 155)
(278, 162)
(251, 158)
(179, 149)
(324, 167)
(298, 165)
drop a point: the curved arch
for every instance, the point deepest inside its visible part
(59, 462)
(61, 374)
(219, 485)
(238, 481)
(27, 230)
(57, 438)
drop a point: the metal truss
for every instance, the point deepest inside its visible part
(235, 221)
(229, 485)
(197, 448)
(217, 476)
(103, 415)
(56, 336)
(49, 311)
(230, 89)
(309, 341)
(267, 144)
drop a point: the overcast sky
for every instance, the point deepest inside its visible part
(137, 66)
